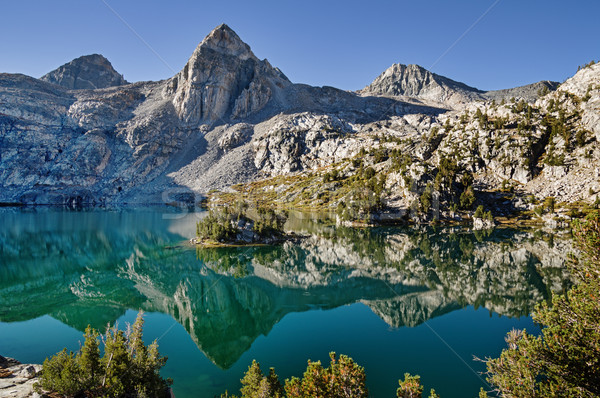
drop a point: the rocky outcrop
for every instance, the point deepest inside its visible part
(586, 85)
(529, 92)
(416, 81)
(17, 379)
(88, 72)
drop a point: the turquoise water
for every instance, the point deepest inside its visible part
(395, 299)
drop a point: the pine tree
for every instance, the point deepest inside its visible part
(127, 368)
(89, 359)
(564, 360)
(251, 381)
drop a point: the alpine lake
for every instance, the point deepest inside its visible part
(421, 300)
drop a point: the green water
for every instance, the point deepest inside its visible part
(397, 300)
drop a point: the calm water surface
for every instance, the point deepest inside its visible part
(395, 299)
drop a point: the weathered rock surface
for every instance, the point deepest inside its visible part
(149, 141)
(18, 379)
(87, 72)
(416, 81)
(529, 92)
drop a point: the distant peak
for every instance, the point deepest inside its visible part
(93, 58)
(224, 40)
(86, 72)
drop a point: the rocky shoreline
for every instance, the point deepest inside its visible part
(17, 379)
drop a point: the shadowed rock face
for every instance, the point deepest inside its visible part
(87, 72)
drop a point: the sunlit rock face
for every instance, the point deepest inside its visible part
(223, 79)
(81, 135)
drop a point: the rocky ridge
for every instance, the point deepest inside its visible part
(512, 157)
(414, 81)
(155, 141)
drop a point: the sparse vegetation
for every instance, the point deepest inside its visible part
(226, 224)
(342, 379)
(563, 361)
(127, 368)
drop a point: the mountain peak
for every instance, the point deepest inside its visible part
(86, 72)
(415, 81)
(224, 40)
(223, 79)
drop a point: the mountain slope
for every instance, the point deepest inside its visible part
(154, 141)
(228, 117)
(87, 72)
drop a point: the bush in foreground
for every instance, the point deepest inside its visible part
(342, 379)
(564, 361)
(127, 369)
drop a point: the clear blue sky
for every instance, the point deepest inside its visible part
(345, 44)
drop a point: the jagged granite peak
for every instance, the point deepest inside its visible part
(223, 79)
(416, 81)
(87, 72)
(224, 40)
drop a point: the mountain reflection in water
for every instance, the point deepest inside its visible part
(90, 267)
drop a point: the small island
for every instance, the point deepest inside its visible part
(238, 225)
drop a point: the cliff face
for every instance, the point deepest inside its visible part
(151, 141)
(228, 118)
(223, 79)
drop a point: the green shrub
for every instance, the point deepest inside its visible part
(343, 378)
(217, 226)
(127, 369)
(549, 203)
(369, 173)
(269, 222)
(467, 198)
(479, 212)
(563, 361)
(411, 387)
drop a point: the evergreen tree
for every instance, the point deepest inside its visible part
(127, 369)
(251, 381)
(89, 359)
(564, 360)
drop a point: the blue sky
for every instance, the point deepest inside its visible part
(344, 44)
